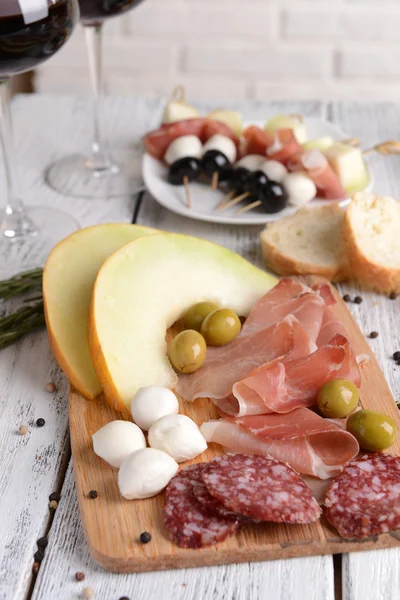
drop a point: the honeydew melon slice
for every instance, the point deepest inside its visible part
(232, 118)
(145, 287)
(321, 143)
(349, 165)
(294, 122)
(68, 280)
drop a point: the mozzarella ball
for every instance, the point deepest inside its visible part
(145, 473)
(181, 147)
(178, 436)
(274, 170)
(151, 403)
(223, 144)
(250, 162)
(116, 440)
(300, 188)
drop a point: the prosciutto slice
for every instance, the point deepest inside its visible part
(281, 386)
(284, 147)
(307, 442)
(286, 320)
(158, 140)
(316, 165)
(224, 366)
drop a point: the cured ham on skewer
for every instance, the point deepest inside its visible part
(158, 140)
(284, 147)
(317, 167)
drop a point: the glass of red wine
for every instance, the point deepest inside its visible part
(96, 176)
(30, 33)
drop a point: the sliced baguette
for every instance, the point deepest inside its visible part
(309, 242)
(371, 234)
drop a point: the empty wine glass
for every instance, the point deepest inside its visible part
(30, 33)
(96, 175)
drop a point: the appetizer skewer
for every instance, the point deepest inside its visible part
(219, 153)
(183, 157)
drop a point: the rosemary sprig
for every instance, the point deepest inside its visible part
(27, 318)
(21, 284)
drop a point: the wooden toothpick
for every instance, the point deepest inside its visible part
(248, 207)
(225, 199)
(214, 180)
(187, 192)
(235, 201)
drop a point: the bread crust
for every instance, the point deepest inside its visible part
(286, 264)
(369, 274)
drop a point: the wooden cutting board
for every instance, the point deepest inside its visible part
(113, 525)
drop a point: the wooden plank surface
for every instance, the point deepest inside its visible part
(33, 466)
(62, 124)
(293, 579)
(375, 575)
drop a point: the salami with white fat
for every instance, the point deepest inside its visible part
(188, 523)
(212, 505)
(364, 500)
(261, 488)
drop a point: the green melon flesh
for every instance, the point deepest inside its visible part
(68, 280)
(143, 289)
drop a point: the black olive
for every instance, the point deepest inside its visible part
(215, 161)
(184, 167)
(276, 198)
(237, 179)
(258, 185)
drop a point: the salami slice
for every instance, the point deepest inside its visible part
(211, 504)
(364, 500)
(260, 488)
(189, 523)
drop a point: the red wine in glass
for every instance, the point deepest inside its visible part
(94, 11)
(24, 42)
(30, 33)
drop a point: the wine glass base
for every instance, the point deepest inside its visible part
(20, 254)
(77, 176)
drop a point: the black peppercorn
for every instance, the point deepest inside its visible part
(79, 576)
(54, 496)
(42, 542)
(38, 556)
(357, 300)
(124, 598)
(40, 422)
(346, 298)
(145, 537)
(93, 494)
(373, 334)
(393, 296)
(396, 355)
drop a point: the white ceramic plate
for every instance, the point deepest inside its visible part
(204, 200)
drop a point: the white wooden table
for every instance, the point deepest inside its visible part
(33, 466)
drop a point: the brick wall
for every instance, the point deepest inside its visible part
(263, 49)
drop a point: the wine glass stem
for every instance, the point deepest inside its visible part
(14, 223)
(93, 34)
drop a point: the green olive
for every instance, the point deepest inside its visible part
(221, 327)
(337, 398)
(195, 315)
(373, 430)
(188, 351)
